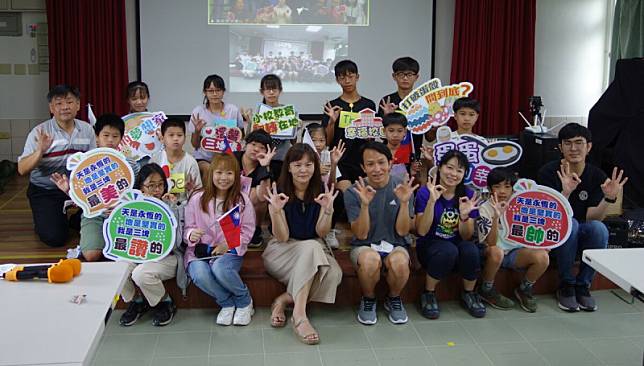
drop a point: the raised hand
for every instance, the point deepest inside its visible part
(61, 181)
(198, 122)
(365, 192)
(613, 185)
(499, 206)
(325, 200)
(387, 106)
(405, 189)
(276, 201)
(569, 180)
(196, 235)
(337, 152)
(220, 249)
(427, 153)
(435, 190)
(190, 184)
(43, 140)
(169, 197)
(264, 159)
(467, 205)
(247, 114)
(332, 111)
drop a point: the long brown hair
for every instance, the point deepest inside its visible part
(222, 162)
(295, 153)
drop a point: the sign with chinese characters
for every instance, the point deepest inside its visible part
(280, 122)
(98, 179)
(430, 105)
(482, 156)
(141, 136)
(212, 135)
(367, 125)
(537, 216)
(140, 229)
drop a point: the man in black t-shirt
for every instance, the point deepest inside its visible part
(338, 113)
(590, 193)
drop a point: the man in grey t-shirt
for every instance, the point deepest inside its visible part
(46, 151)
(380, 210)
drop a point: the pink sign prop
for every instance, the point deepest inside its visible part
(366, 126)
(537, 216)
(212, 138)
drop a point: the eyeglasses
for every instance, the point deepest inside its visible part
(402, 75)
(577, 144)
(154, 186)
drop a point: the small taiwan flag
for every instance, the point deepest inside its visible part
(404, 151)
(230, 225)
(227, 148)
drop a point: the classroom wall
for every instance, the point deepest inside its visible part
(23, 82)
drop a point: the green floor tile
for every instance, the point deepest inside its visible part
(443, 334)
(349, 358)
(237, 360)
(404, 356)
(491, 331)
(236, 340)
(342, 337)
(541, 329)
(181, 361)
(566, 353)
(127, 347)
(463, 355)
(511, 354)
(183, 344)
(614, 351)
(310, 358)
(387, 335)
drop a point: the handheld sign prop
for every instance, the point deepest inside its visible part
(367, 125)
(280, 122)
(212, 135)
(98, 179)
(482, 156)
(430, 105)
(537, 216)
(140, 229)
(141, 137)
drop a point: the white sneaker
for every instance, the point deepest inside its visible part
(225, 316)
(331, 240)
(243, 315)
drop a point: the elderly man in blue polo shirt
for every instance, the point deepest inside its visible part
(46, 151)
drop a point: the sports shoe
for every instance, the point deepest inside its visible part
(256, 241)
(243, 315)
(225, 316)
(429, 305)
(526, 300)
(495, 299)
(472, 302)
(164, 313)
(396, 310)
(134, 311)
(585, 300)
(331, 240)
(566, 298)
(367, 311)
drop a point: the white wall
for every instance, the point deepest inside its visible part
(571, 56)
(444, 39)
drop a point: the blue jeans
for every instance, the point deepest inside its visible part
(441, 257)
(585, 235)
(221, 280)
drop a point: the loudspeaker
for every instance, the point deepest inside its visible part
(538, 149)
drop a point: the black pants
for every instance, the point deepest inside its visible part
(51, 224)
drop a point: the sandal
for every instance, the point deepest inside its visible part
(280, 320)
(311, 338)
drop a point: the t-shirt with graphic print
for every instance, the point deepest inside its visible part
(446, 217)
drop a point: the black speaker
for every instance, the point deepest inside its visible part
(538, 149)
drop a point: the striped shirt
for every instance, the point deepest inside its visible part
(63, 146)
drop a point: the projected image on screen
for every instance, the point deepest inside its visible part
(302, 56)
(312, 12)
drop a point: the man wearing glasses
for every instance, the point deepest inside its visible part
(590, 193)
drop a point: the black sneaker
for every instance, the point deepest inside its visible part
(566, 298)
(429, 305)
(256, 241)
(586, 302)
(134, 311)
(472, 302)
(164, 313)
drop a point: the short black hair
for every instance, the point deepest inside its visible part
(405, 64)
(146, 171)
(62, 90)
(316, 127)
(377, 147)
(260, 136)
(572, 130)
(173, 122)
(394, 119)
(466, 102)
(216, 80)
(345, 67)
(111, 120)
(135, 86)
(500, 175)
(270, 81)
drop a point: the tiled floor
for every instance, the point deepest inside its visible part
(614, 335)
